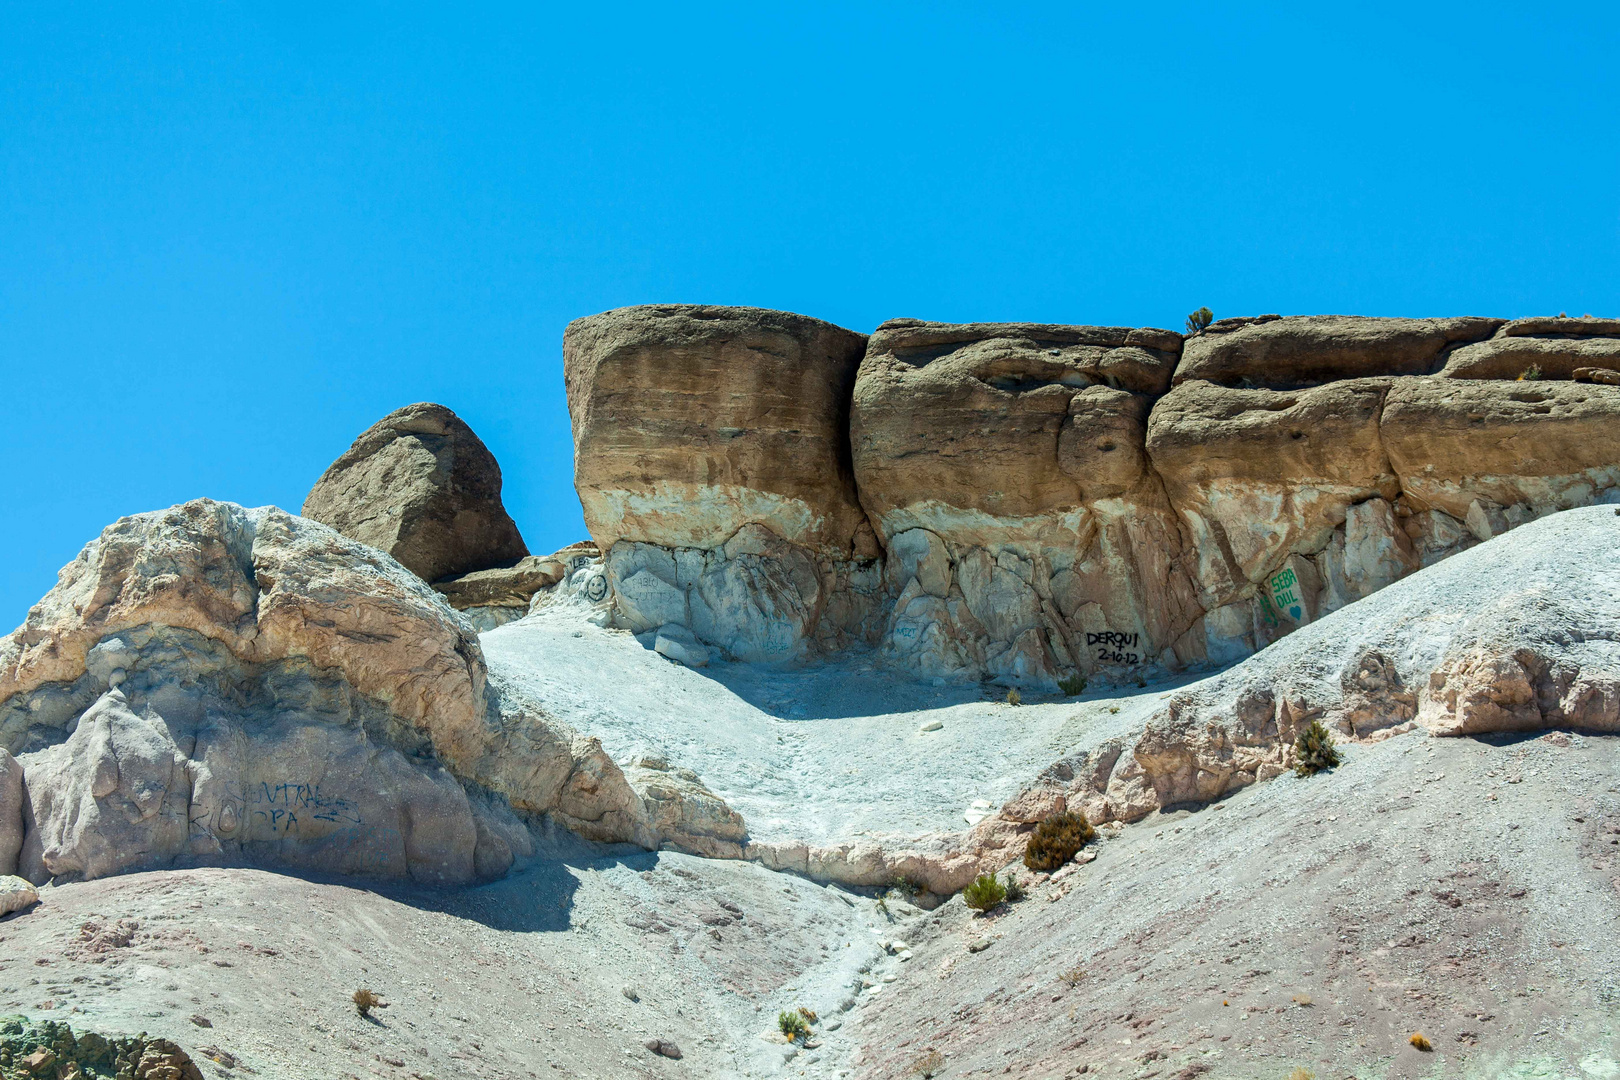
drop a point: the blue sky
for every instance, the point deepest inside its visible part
(232, 236)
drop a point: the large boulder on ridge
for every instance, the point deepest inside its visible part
(711, 456)
(421, 486)
(213, 684)
(692, 421)
(1306, 350)
(1004, 467)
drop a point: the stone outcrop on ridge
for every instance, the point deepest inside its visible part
(1052, 501)
(209, 684)
(1003, 467)
(711, 458)
(421, 486)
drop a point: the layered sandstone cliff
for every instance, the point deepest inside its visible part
(1030, 503)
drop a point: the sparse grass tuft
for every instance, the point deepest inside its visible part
(1302, 1074)
(364, 1000)
(1531, 374)
(1015, 891)
(1314, 751)
(1420, 1042)
(1055, 841)
(793, 1025)
(1072, 977)
(1074, 684)
(808, 1014)
(1199, 320)
(931, 1063)
(985, 893)
(1014, 697)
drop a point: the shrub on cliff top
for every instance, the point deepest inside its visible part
(1199, 320)
(1055, 841)
(1314, 750)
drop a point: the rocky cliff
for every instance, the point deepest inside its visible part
(1039, 502)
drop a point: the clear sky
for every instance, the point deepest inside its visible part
(234, 235)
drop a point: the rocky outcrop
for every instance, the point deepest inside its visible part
(214, 684)
(1308, 350)
(692, 421)
(1046, 505)
(712, 463)
(1004, 468)
(1519, 634)
(420, 485)
(491, 598)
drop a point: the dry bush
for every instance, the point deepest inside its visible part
(932, 1063)
(1055, 841)
(1420, 1042)
(985, 893)
(1314, 751)
(792, 1025)
(365, 1001)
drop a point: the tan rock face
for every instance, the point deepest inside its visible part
(1258, 474)
(420, 485)
(1307, 350)
(691, 422)
(1004, 467)
(1542, 446)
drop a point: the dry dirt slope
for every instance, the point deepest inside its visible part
(1461, 888)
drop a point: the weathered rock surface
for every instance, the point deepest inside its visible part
(691, 422)
(712, 461)
(12, 797)
(1003, 466)
(421, 486)
(16, 894)
(214, 684)
(1307, 350)
(1518, 634)
(1535, 446)
(1505, 357)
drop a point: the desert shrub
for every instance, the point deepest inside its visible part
(793, 1025)
(1072, 977)
(1420, 1042)
(1014, 697)
(1055, 841)
(808, 1014)
(1531, 373)
(1302, 1074)
(1015, 891)
(930, 1064)
(985, 893)
(1074, 684)
(1199, 320)
(1314, 751)
(365, 1001)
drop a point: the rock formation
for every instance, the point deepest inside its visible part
(1514, 635)
(1003, 468)
(1052, 502)
(420, 485)
(712, 461)
(214, 684)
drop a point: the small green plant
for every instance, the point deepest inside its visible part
(1314, 750)
(1014, 697)
(364, 1001)
(1531, 374)
(793, 1025)
(985, 893)
(1055, 841)
(883, 906)
(1074, 684)
(930, 1064)
(1199, 320)
(1015, 891)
